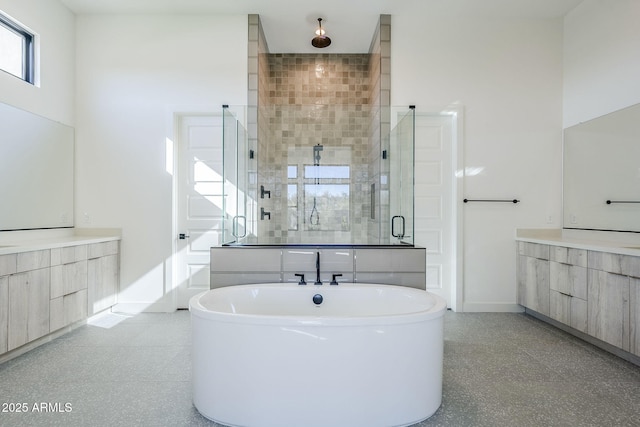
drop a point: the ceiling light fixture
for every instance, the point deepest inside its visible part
(320, 40)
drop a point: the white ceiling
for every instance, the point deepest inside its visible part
(289, 25)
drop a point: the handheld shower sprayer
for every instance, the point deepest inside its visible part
(316, 154)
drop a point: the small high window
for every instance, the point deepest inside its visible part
(16, 49)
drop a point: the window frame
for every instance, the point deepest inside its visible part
(304, 176)
(28, 51)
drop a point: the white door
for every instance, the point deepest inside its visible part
(199, 201)
(435, 220)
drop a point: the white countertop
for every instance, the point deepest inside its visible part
(612, 242)
(35, 240)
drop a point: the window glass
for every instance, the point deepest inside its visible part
(327, 207)
(16, 49)
(324, 172)
(292, 206)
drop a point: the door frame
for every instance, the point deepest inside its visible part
(174, 116)
(456, 112)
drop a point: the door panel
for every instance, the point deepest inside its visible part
(434, 189)
(199, 201)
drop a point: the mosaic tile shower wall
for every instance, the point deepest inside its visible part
(257, 128)
(380, 125)
(332, 101)
(257, 85)
(318, 99)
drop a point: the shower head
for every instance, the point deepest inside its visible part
(320, 40)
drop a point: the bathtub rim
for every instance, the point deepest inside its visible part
(435, 311)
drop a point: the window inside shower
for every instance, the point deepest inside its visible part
(318, 190)
(324, 203)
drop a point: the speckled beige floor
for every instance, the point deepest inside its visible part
(513, 370)
(499, 370)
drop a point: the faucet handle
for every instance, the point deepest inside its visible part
(301, 276)
(334, 281)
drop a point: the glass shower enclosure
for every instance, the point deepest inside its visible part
(238, 219)
(318, 174)
(400, 173)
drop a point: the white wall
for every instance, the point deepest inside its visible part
(601, 59)
(507, 74)
(55, 26)
(132, 71)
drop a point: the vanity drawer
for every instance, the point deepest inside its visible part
(8, 264)
(68, 254)
(533, 250)
(631, 266)
(33, 260)
(97, 250)
(571, 256)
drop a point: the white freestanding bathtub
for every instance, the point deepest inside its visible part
(269, 355)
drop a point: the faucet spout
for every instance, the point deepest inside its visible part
(318, 282)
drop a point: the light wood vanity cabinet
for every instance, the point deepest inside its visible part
(615, 308)
(568, 286)
(43, 291)
(4, 312)
(594, 292)
(68, 286)
(533, 276)
(8, 266)
(28, 317)
(634, 315)
(609, 308)
(103, 267)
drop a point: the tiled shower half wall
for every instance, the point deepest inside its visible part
(318, 145)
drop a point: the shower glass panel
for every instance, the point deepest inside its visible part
(401, 145)
(237, 221)
(318, 174)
